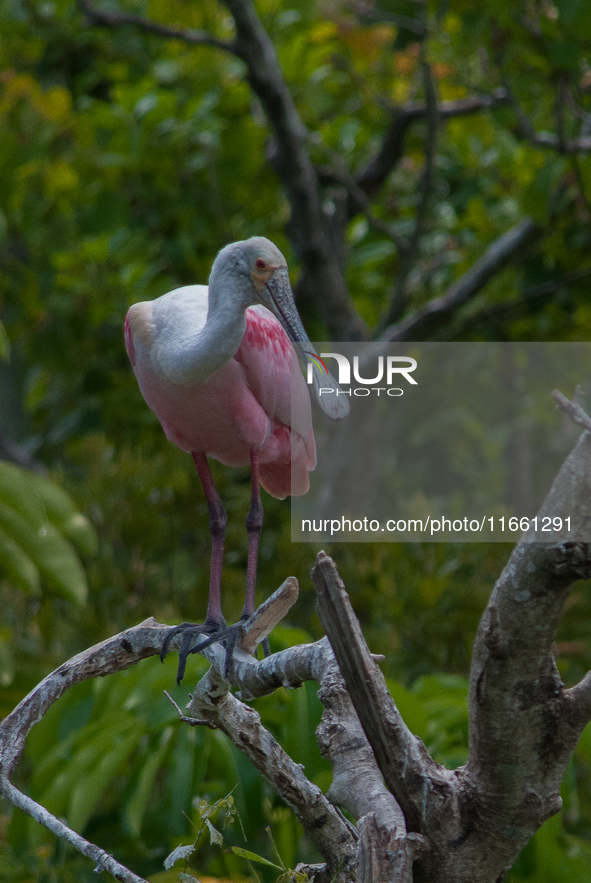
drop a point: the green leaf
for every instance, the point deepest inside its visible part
(61, 512)
(253, 857)
(19, 566)
(18, 492)
(135, 807)
(34, 514)
(50, 552)
(92, 786)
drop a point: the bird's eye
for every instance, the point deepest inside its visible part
(261, 264)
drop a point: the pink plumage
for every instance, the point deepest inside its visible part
(219, 371)
(257, 401)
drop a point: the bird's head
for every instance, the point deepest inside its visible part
(249, 270)
(255, 272)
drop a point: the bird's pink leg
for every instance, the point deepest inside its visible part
(217, 527)
(254, 523)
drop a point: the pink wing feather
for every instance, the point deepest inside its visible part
(273, 375)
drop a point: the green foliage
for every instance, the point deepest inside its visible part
(41, 536)
(38, 526)
(121, 762)
(126, 162)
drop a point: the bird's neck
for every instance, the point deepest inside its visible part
(221, 336)
(189, 351)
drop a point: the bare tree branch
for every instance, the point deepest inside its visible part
(523, 723)
(574, 411)
(409, 256)
(427, 320)
(322, 280)
(372, 176)
(325, 825)
(102, 859)
(338, 173)
(506, 311)
(102, 18)
(213, 701)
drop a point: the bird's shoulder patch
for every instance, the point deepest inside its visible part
(264, 332)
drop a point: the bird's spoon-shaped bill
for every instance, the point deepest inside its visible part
(329, 395)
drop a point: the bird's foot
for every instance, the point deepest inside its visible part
(215, 631)
(229, 636)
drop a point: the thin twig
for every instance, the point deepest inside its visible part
(373, 174)
(577, 414)
(558, 142)
(102, 18)
(505, 311)
(428, 319)
(408, 257)
(338, 172)
(192, 721)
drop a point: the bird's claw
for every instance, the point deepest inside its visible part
(190, 631)
(229, 637)
(217, 633)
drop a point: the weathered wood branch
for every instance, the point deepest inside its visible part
(524, 724)
(408, 770)
(326, 826)
(574, 410)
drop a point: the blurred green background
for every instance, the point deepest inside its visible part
(126, 162)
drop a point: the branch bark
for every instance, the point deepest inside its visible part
(371, 177)
(408, 771)
(115, 19)
(427, 320)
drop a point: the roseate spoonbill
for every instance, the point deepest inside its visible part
(216, 366)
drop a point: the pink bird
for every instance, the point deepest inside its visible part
(217, 367)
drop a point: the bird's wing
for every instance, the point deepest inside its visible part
(139, 329)
(159, 332)
(273, 373)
